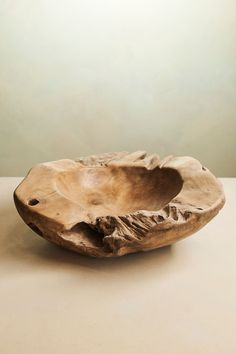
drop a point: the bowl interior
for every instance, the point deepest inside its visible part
(117, 190)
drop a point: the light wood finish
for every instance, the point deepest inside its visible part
(112, 204)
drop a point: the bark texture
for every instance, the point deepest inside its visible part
(116, 203)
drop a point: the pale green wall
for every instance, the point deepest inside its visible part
(82, 77)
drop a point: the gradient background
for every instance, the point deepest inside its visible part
(84, 77)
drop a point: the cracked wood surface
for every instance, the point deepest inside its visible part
(116, 203)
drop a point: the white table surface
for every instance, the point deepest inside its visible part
(176, 300)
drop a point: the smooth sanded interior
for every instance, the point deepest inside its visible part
(117, 190)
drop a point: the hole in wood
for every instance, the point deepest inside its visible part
(35, 228)
(33, 202)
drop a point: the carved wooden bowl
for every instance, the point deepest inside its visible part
(112, 204)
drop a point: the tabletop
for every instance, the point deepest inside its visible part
(179, 299)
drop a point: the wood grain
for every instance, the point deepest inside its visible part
(117, 203)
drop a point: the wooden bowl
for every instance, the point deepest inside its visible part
(116, 203)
